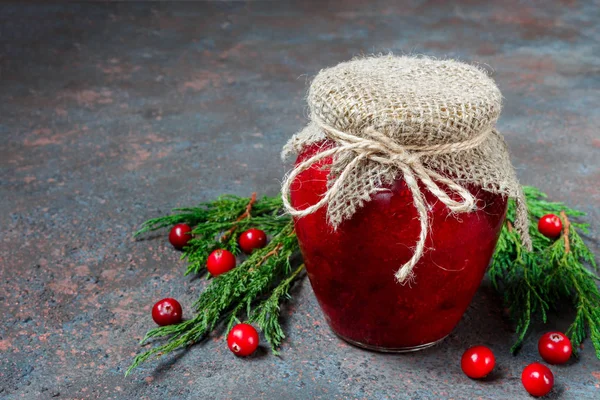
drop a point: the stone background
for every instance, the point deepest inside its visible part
(115, 113)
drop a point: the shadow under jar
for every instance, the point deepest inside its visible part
(351, 269)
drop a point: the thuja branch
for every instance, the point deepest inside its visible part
(556, 272)
(217, 224)
(245, 215)
(264, 312)
(225, 209)
(253, 290)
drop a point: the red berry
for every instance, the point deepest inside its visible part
(167, 312)
(555, 348)
(180, 235)
(550, 226)
(537, 379)
(220, 261)
(477, 362)
(242, 340)
(252, 239)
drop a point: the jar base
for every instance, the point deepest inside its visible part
(410, 349)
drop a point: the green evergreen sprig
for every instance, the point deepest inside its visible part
(254, 289)
(556, 272)
(218, 223)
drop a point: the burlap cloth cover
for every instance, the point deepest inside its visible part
(406, 118)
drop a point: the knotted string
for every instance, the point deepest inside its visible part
(377, 147)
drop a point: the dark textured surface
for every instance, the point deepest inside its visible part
(115, 113)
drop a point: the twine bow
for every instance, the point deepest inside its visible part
(377, 147)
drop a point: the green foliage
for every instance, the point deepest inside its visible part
(254, 289)
(217, 225)
(555, 272)
(264, 314)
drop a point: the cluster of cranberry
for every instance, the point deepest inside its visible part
(554, 347)
(220, 260)
(243, 338)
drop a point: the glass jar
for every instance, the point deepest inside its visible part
(351, 269)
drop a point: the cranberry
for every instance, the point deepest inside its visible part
(555, 348)
(550, 226)
(477, 362)
(220, 261)
(167, 312)
(252, 239)
(537, 379)
(180, 235)
(242, 340)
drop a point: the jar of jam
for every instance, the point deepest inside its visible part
(398, 194)
(351, 269)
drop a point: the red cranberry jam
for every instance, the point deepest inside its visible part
(351, 269)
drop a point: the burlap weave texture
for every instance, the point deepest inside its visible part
(415, 118)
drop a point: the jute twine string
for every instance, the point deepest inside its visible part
(379, 148)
